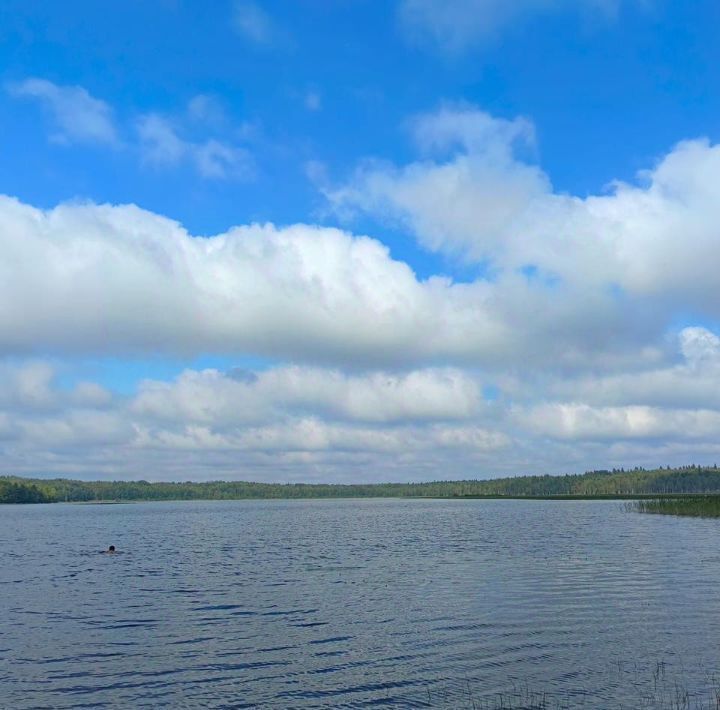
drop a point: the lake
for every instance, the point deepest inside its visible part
(356, 603)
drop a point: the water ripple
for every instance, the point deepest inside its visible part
(353, 604)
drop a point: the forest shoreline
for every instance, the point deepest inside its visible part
(692, 484)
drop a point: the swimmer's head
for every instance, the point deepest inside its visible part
(111, 548)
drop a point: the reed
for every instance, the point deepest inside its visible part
(707, 506)
(647, 686)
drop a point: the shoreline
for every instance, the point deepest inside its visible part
(557, 497)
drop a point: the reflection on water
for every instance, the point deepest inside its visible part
(354, 603)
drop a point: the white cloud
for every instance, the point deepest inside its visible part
(655, 239)
(79, 117)
(30, 386)
(468, 202)
(76, 429)
(90, 278)
(379, 374)
(701, 348)
(456, 25)
(255, 25)
(584, 422)
(291, 423)
(300, 418)
(690, 383)
(27, 386)
(207, 109)
(215, 159)
(316, 172)
(161, 145)
(213, 397)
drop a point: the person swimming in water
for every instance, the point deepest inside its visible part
(109, 551)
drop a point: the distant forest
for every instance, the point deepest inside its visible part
(618, 482)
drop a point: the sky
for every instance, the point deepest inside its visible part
(358, 240)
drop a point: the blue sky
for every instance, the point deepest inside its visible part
(481, 147)
(608, 92)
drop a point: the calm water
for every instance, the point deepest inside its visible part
(354, 603)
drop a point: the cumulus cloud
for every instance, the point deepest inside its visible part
(300, 423)
(78, 116)
(27, 386)
(380, 375)
(88, 278)
(688, 380)
(213, 397)
(466, 201)
(455, 25)
(296, 416)
(485, 199)
(583, 422)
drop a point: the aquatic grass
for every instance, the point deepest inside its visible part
(707, 506)
(667, 697)
(653, 686)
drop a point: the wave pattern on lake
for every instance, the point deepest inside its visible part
(355, 603)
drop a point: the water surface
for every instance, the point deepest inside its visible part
(355, 603)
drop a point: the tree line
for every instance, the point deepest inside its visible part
(638, 481)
